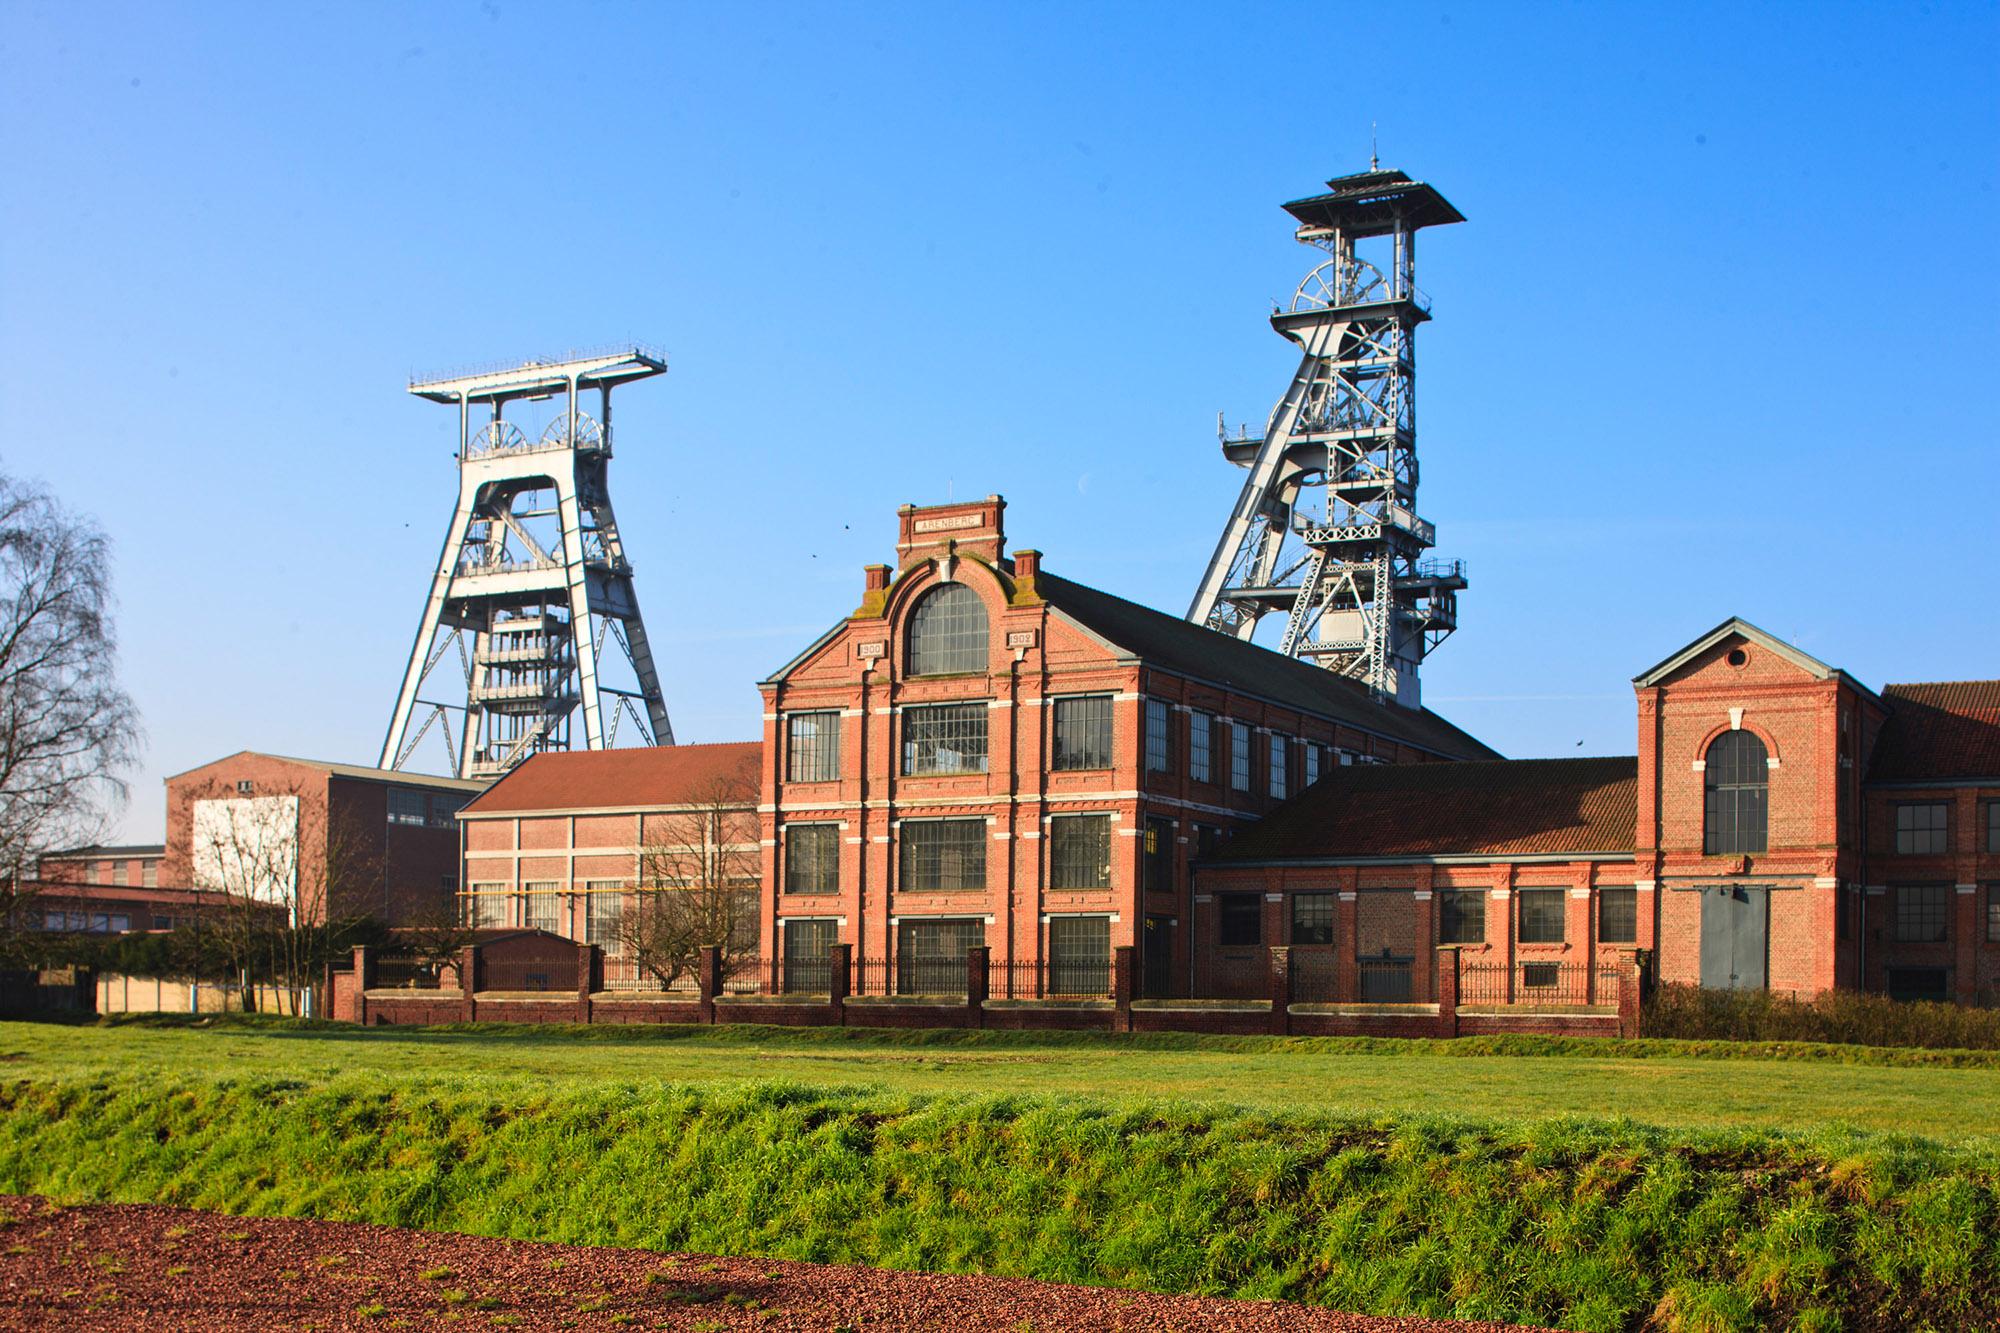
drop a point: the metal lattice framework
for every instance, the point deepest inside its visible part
(532, 580)
(1325, 530)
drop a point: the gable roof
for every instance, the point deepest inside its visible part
(357, 772)
(1206, 654)
(1510, 807)
(1939, 731)
(642, 778)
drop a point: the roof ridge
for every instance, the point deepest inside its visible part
(1930, 684)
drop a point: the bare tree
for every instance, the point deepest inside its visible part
(436, 936)
(698, 870)
(67, 731)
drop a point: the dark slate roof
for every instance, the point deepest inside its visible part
(1206, 654)
(1940, 731)
(1512, 807)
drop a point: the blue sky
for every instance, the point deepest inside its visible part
(1718, 337)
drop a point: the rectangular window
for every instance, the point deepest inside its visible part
(1312, 918)
(1920, 829)
(1080, 852)
(807, 967)
(118, 872)
(930, 953)
(1618, 916)
(604, 914)
(945, 738)
(1992, 827)
(1239, 756)
(444, 810)
(1159, 736)
(486, 905)
(1207, 837)
(406, 806)
(812, 858)
(1461, 916)
(1280, 768)
(1541, 915)
(1201, 747)
(1242, 920)
(1158, 862)
(1312, 762)
(149, 872)
(1079, 955)
(541, 906)
(1540, 976)
(163, 922)
(941, 855)
(1082, 732)
(1922, 913)
(1993, 913)
(812, 747)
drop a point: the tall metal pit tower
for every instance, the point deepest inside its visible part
(533, 578)
(1325, 531)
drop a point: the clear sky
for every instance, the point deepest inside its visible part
(1719, 336)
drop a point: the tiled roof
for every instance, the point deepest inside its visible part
(357, 772)
(1939, 731)
(1512, 807)
(640, 778)
(1204, 653)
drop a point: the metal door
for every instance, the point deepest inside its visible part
(1156, 952)
(1735, 937)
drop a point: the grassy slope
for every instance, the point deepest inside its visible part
(1658, 1083)
(1590, 1225)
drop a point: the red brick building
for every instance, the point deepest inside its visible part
(987, 753)
(323, 840)
(134, 866)
(1782, 826)
(562, 843)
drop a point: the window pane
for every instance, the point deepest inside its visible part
(812, 858)
(1312, 763)
(1992, 828)
(540, 906)
(604, 914)
(1159, 737)
(812, 747)
(1201, 740)
(1922, 913)
(948, 632)
(1158, 862)
(1993, 912)
(1920, 829)
(486, 905)
(1462, 916)
(1242, 919)
(1618, 916)
(1239, 756)
(1083, 732)
(1080, 852)
(1280, 756)
(1312, 918)
(444, 809)
(406, 806)
(1735, 780)
(943, 854)
(930, 953)
(806, 968)
(1542, 915)
(949, 738)
(1079, 955)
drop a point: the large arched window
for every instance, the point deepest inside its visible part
(1736, 813)
(947, 632)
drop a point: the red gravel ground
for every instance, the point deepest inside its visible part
(128, 1266)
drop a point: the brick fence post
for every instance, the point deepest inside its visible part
(1447, 983)
(1280, 986)
(840, 978)
(708, 980)
(364, 981)
(468, 984)
(1629, 996)
(978, 983)
(589, 968)
(1121, 988)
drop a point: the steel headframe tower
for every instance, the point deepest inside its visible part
(1326, 530)
(532, 577)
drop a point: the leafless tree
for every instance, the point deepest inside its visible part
(698, 869)
(67, 731)
(436, 936)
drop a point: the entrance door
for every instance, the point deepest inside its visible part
(1156, 951)
(1735, 937)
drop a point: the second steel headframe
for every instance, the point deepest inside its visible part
(528, 588)
(1325, 529)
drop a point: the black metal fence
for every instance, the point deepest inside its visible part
(408, 973)
(555, 974)
(1531, 982)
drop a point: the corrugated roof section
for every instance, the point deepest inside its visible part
(1513, 807)
(1198, 651)
(1941, 731)
(640, 778)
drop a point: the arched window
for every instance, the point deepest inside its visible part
(947, 632)
(1735, 815)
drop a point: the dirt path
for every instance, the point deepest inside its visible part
(125, 1266)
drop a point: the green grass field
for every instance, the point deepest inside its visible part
(1661, 1083)
(1588, 1185)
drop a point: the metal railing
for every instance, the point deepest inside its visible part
(411, 974)
(1050, 979)
(1532, 982)
(557, 974)
(1384, 980)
